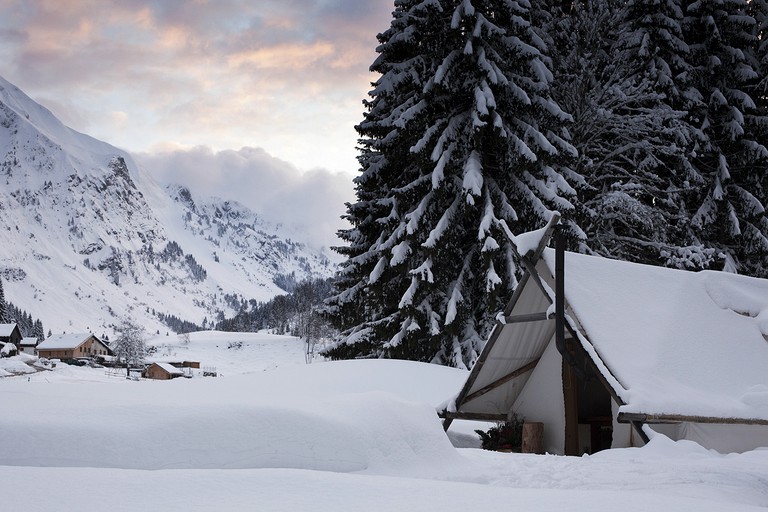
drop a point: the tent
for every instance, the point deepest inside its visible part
(629, 351)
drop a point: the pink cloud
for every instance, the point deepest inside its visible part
(228, 73)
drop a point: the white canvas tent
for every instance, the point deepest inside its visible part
(671, 351)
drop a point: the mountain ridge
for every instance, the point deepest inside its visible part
(90, 238)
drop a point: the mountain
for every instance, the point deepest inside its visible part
(89, 238)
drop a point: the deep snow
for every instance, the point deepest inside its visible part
(276, 434)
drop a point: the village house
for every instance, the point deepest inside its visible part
(10, 333)
(10, 338)
(72, 346)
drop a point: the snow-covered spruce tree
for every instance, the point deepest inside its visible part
(38, 331)
(130, 344)
(759, 9)
(759, 58)
(3, 305)
(461, 142)
(620, 69)
(730, 135)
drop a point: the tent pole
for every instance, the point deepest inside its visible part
(570, 395)
(560, 324)
(560, 292)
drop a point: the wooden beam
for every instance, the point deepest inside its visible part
(629, 417)
(503, 380)
(560, 297)
(529, 317)
(474, 416)
(638, 426)
(530, 258)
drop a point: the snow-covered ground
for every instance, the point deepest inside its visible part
(273, 433)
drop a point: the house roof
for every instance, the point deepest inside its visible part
(63, 341)
(7, 329)
(673, 341)
(168, 367)
(28, 341)
(668, 342)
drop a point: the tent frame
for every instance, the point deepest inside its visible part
(528, 261)
(562, 325)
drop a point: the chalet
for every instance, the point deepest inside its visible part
(71, 346)
(28, 345)
(163, 371)
(608, 353)
(10, 337)
(10, 333)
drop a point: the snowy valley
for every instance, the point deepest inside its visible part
(89, 237)
(274, 434)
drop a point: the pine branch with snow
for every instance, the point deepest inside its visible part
(461, 138)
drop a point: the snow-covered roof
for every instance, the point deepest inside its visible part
(168, 367)
(673, 341)
(63, 341)
(28, 341)
(7, 329)
(670, 343)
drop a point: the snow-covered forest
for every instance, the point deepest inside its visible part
(643, 123)
(28, 326)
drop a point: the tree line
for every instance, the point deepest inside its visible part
(296, 313)
(642, 122)
(28, 326)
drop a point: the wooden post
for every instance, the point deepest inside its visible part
(571, 410)
(533, 437)
(560, 292)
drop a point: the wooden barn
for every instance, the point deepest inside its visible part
(163, 371)
(72, 346)
(608, 353)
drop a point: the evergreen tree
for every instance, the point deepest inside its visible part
(3, 306)
(759, 9)
(730, 152)
(461, 145)
(620, 69)
(759, 58)
(39, 331)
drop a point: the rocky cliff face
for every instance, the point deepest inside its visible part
(88, 238)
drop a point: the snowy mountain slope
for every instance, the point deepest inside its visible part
(88, 237)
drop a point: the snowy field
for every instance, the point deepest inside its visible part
(273, 433)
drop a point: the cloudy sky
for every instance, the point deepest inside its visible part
(237, 96)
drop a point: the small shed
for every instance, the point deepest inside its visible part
(606, 352)
(163, 371)
(71, 346)
(28, 345)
